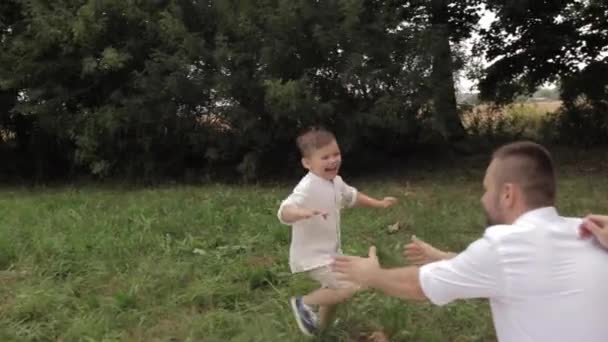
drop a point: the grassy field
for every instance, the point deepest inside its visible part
(209, 263)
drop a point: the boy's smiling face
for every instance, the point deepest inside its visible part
(325, 161)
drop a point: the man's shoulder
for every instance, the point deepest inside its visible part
(499, 231)
(506, 234)
(502, 232)
(576, 221)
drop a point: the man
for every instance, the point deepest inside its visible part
(544, 282)
(420, 253)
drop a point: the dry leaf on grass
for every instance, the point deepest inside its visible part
(393, 228)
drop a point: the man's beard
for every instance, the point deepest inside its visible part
(490, 221)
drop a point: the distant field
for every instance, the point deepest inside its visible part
(517, 120)
(530, 108)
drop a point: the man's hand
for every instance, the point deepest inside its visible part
(420, 253)
(357, 270)
(401, 282)
(388, 202)
(596, 225)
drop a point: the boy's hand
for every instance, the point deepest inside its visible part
(291, 214)
(388, 202)
(305, 213)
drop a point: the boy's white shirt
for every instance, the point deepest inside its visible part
(316, 241)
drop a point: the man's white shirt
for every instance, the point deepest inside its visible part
(544, 282)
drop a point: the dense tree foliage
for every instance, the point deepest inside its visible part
(167, 87)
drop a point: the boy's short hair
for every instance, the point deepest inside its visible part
(313, 138)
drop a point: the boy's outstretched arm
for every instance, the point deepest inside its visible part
(292, 213)
(366, 201)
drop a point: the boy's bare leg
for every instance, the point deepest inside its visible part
(326, 296)
(327, 300)
(326, 315)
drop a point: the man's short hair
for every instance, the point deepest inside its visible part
(530, 165)
(312, 139)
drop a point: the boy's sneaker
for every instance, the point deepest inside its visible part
(306, 318)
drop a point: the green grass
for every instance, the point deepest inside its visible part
(209, 263)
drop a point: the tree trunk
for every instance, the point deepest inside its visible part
(445, 113)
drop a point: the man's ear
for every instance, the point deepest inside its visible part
(509, 194)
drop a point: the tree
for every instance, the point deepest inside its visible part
(111, 85)
(155, 87)
(451, 21)
(533, 42)
(346, 64)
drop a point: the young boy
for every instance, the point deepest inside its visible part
(313, 211)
